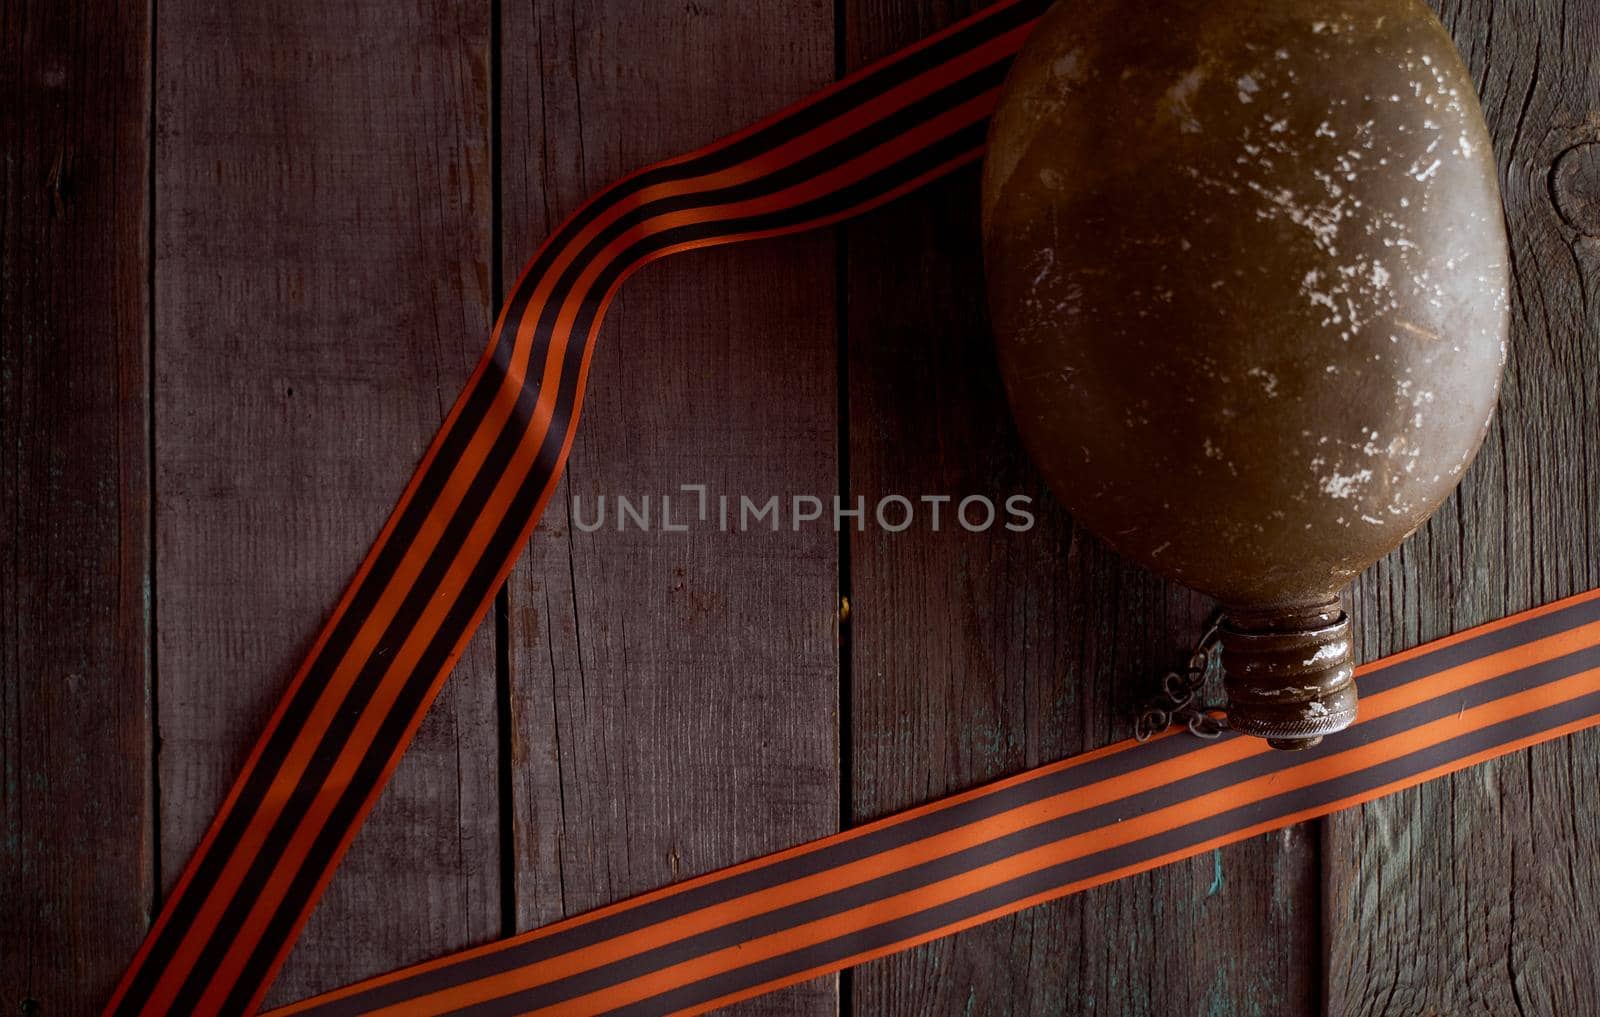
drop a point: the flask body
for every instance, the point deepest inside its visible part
(1248, 274)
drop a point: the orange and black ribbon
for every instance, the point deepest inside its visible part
(1040, 835)
(354, 704)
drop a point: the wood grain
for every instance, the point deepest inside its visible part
(323, 228)
(76, 868)
(674, 694)
(1465, 895)
(979, 654)
(325, 255)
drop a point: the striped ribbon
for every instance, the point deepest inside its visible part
(354, 704)
(1043, 834)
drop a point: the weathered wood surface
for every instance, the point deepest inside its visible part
(76, 844)
(1466, 895)
(322, 289)
(674, 694)
(328, 240)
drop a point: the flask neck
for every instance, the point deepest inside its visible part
(1289, 672)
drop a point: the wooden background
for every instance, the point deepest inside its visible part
(251, 250)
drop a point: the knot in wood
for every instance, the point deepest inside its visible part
(1575, 187)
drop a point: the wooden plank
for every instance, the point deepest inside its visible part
(674, 694)
(978, 654)
(76, 869)
(1465, 894)
(323, 245)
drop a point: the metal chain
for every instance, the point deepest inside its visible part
(1179, 699)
